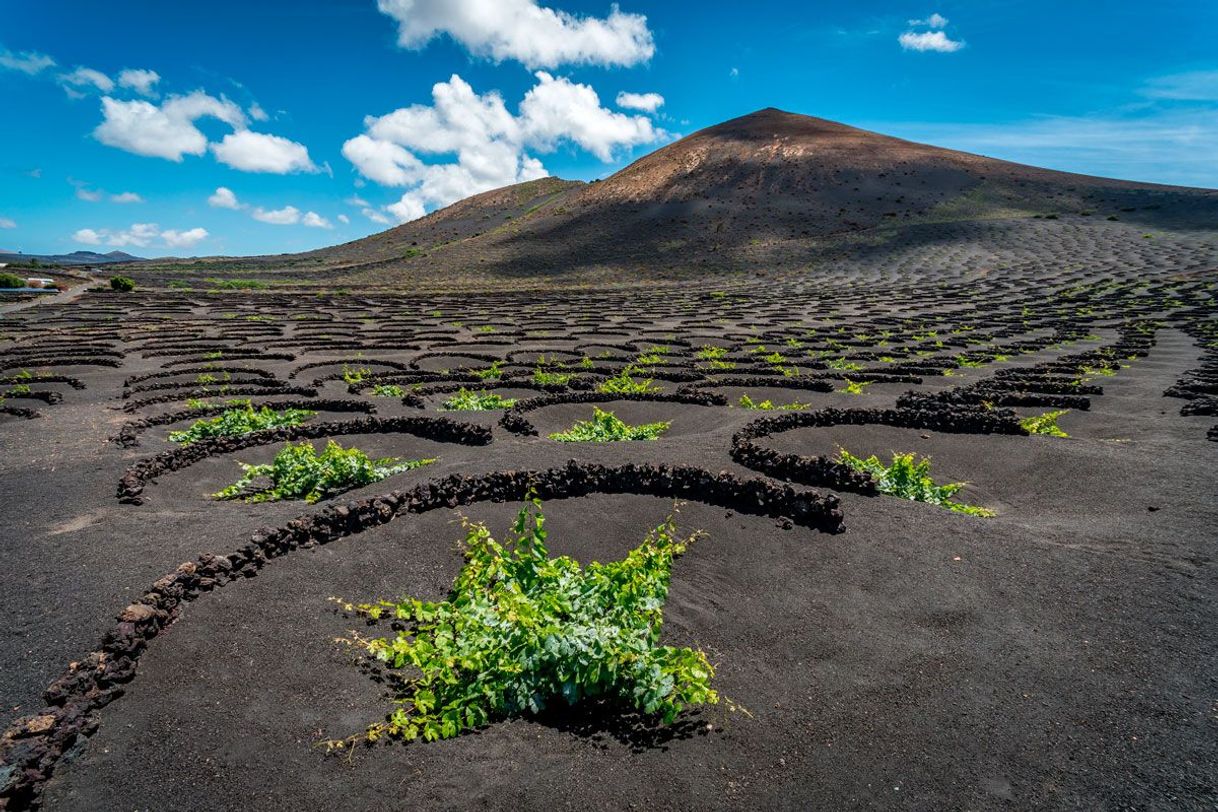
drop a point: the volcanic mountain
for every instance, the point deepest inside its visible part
(771, 188)
(74, 258)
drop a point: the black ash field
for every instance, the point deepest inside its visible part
(162, 648)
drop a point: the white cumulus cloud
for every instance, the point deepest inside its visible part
(929, 41)
(169, 131)
(288, 215)
(223, 198)
(933, 39)
(126, 197)
(649, 102)
(491, 145)
(140, 235)
(166, 131)
(184, 239)
(260, 152)
(6, 222)
(342, 218)
(140, 80)
(315, 220)
(524, 31)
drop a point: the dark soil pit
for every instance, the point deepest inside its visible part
(436, 402)
(156, 438)
(686, 419)
(551, 356)
(452, 363)
(197, 482)
(202, 704)
(1011, 474)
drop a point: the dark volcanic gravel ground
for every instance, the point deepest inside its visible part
(1059, 654)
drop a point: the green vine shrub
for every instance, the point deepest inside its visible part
(910, 479)
(469, 401)
(299, 472)
(747, 402)
(1045, 424)
(624, 384)
(521, 631)
(606, 427)
(235, 422)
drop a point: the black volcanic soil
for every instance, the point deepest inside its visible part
(1060, 654)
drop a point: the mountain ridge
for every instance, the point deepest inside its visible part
(780, 180)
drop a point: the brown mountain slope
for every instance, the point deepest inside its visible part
(769, 189)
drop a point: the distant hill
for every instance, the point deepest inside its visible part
(74, 258)
(771, 189)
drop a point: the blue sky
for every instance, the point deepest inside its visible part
(191, 128)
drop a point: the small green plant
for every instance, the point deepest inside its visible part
(466, 400)
(354, 375)
(299, 472)
(543, 378)
(122, 284)
(9, 280)
(493, 372)
(710, 352)
(842, 363)
(388, 390)
(521, 630)
(624, 384)
(606, 427)
(910, 479)
(19, 389)
(854, 387)
(747, 402)
(238, 421)
(1044, 424)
